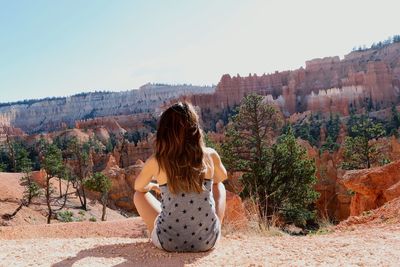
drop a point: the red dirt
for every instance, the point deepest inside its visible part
(123, 242)
(389, 213)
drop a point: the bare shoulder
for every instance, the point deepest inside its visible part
(211, 152)
(151, 163)
(220, 173)
(151, 160)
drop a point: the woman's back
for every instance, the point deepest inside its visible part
(188, 221)
(189, 177)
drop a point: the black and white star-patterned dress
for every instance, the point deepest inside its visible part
(187, 221)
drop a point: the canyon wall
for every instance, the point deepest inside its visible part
(325, 85)
(52, 114)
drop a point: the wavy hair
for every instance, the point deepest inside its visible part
(179, 148)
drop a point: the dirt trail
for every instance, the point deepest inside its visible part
(117, 243)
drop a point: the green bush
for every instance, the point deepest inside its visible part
(65, 216)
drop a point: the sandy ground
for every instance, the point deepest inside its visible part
(123, 243)
(10, 198)
(372, 239)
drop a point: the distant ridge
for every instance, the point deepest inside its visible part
(48, 114)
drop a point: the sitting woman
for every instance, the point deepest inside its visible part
(189, 177)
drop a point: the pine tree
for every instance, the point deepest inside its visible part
(291, 180)
(333, 127)
(249, 136)
(102, 184)
(279, 177)
(24, 164)
(79, 153)
(394, 124)
(315, 130)
(53, 165)
(359, 151)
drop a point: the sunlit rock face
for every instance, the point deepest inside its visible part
(342, 193)
(373, 187)
(52, 114)
(325, 85)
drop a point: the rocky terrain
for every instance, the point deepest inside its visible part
(369, 239)
(341, 192)
(122, 243)
(366, 202)
(51, 114)
(325, 85)
(11, 192)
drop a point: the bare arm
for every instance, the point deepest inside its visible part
(143, 181)
(220, 173)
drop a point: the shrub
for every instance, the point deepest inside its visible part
(65, 216)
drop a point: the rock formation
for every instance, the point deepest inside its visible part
(56, 113)
(337, 200)
(325, 85)
(372, 187)
(122, 179)
(334, 200)
(122, 191)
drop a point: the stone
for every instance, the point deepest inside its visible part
(122, 183)
(55, 114)
(325, 85)
(372, 187)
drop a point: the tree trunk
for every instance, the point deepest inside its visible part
(65, 196)
(48, 199)
(84, 198)
(30, 192)
(104, 202)
(59, 185)
(12, 153)
(79, 194)
(10, 216)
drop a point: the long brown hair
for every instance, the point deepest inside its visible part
(179, 148)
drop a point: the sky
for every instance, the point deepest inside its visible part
(59, 48)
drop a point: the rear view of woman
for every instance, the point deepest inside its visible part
(189, 177)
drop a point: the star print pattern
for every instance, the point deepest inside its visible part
(188, 221)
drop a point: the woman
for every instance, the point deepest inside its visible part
(189, 177)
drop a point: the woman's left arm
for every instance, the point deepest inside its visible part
(143, 181)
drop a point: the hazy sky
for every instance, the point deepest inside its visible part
(57, 48)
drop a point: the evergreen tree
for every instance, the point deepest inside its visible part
(330, 145)
(394, 124)
(102, 184)
(2, 167)
(332, 130)
(79, 153)
(291, 180)
(109, 146)
(249, 136)
(24, 164)
(272, 172)
(315, 130)
(359, 151)
(303, 131)
(11, 152)
(53, 165)
(333, 127)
